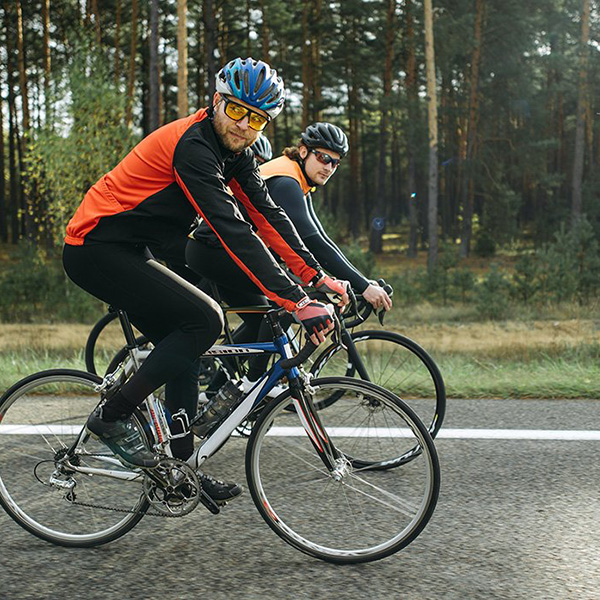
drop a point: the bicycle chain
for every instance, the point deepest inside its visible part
(121, 510)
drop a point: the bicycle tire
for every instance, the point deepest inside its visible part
(396, 363)
(375, 513)
(91, 350)
(41, 416)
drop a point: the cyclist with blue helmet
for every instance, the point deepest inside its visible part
(150, 199)
(291, 179)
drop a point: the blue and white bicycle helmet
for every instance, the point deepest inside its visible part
(253, 82)
(262, 148)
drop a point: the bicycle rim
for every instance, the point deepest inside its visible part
(40, 417)
(366, 515)
(395, 363)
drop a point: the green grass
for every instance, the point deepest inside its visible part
(574, 373)
(15, 365)
(470, 377)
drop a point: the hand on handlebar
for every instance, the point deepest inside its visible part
(377, 297)
(335, 289)
(316, 318)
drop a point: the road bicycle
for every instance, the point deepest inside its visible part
(385, 358)
(322, 480)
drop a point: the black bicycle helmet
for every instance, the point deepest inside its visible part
(262, 148)
(325, 135)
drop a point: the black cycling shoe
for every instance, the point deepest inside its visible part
(123, 438)
(219, 491)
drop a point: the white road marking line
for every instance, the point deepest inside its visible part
(453, 434)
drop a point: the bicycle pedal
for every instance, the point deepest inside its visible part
(209, 503)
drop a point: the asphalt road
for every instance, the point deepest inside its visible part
(516, 518)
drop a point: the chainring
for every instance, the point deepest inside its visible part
(173, 488)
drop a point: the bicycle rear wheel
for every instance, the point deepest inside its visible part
(397, 364)
(103, 342)
(358, 513)
(40, 418)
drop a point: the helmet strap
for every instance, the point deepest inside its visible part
(309, 181)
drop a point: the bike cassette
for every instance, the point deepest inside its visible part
(173, 488)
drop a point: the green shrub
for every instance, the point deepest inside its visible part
(485, 244)
(463, 282)
(493, 295)
(525, 281)
(570, 266)
(34, 288)
(363, 260)
(62, 164)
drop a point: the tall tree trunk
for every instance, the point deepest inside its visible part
(132, 57)
(265, 49)
(153, 87)
(315, 29)
(15, 193)
(46, 60)
(412, 93)
(354, 122)
(248, 29)
(307, 66)
(118, 42)
(576, 200)
(97, 27)
(198, 61)
(378, 220)
(22, 69)
(182, 58)
(432, 211)
(3, 200)
(13, 171)
(210, 45)
(26, 202)
(468, 187)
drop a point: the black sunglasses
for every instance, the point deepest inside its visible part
(325, 159)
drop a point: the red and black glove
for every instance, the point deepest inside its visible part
(335, 289)
(313, 316)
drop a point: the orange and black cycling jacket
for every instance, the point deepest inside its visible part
(178, 172)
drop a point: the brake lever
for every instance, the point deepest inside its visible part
(336, 334)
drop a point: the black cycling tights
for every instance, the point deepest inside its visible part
(236, 289)
(181, 321)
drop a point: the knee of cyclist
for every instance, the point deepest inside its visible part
(215, 322)
(217, 325)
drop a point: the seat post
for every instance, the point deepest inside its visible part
(127, 328)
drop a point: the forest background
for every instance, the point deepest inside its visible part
(472, 182)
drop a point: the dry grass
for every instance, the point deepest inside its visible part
(506, 339)
(503, 339)
(536, 359)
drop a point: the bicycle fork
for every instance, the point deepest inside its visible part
(309, 417)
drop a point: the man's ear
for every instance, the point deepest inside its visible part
(303, 152)
(216, 99)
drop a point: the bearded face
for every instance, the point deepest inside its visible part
(234, 135)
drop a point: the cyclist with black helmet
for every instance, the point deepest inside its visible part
(290, 179)
(150, 198)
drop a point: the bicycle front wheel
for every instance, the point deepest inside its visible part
(40, 419)
(354, 513)
(397, 364)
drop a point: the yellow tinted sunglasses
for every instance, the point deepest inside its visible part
(237, 112)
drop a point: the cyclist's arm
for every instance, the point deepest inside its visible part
(273, 224)
(286, 192)
(199, 173)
